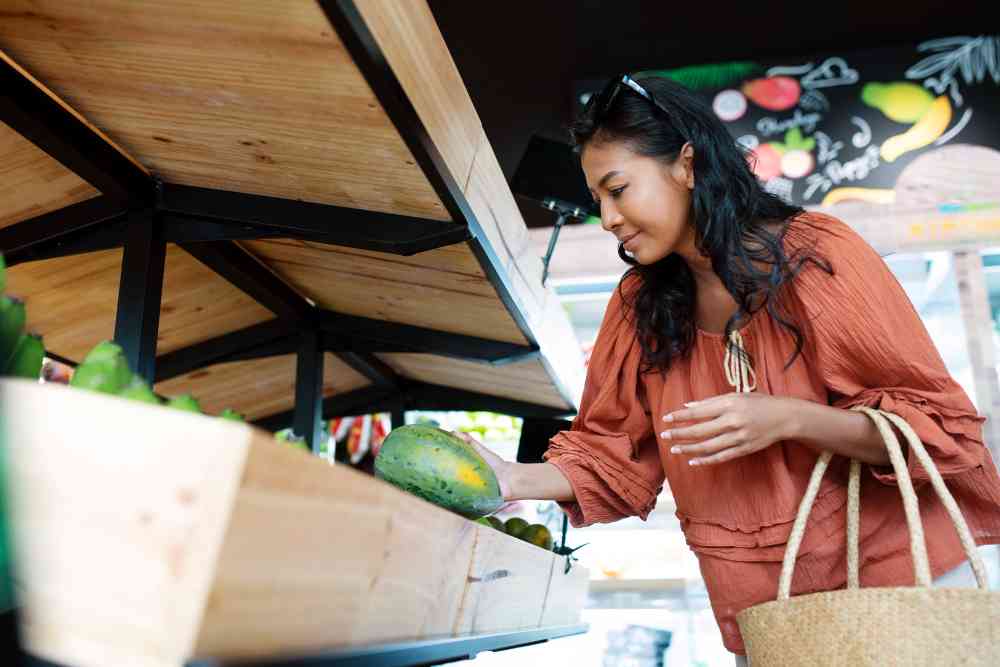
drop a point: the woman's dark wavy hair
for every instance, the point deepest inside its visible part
(730, 210)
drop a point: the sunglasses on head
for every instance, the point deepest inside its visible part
(606, 98)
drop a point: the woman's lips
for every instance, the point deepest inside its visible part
(629, 242)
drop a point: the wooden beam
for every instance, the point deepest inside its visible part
(974, 303)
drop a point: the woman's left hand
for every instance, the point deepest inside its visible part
(729, 426)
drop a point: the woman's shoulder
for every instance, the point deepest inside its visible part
(620, 305)
(821, 232)
(835, 265)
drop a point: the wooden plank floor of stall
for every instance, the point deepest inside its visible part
(176, 536)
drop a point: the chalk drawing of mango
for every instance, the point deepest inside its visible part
(906, 102)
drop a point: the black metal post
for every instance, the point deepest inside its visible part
(560, 221)
(309, 389)
(138, 317)
(398, 417)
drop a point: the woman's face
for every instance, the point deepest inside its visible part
(645, 203)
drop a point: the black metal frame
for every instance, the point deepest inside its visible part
(420, 653)
(414, 653)
(262, 216)
(137, 319)
(191, 215)
(414, 395)
(309, 388)
(266, 339)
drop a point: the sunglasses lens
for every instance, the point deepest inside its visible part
(604, 99)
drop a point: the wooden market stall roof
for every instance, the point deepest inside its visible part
(296, 155)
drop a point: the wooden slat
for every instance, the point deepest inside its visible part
(567, 594)
(411, 41)
(198, 304)
(138, 521)
(258, 387)
(32, 183)
(441, 289)
(452, 267)
(72, 301)
(498, 597)
(523, 381)
(368, 540)
(253, 96)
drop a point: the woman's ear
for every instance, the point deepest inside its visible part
(687, 162)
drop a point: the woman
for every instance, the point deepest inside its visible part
(729, 357)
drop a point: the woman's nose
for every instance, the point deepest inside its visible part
(610, 218)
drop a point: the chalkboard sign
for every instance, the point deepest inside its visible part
(844, 126)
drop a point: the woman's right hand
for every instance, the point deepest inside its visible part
(501, 468)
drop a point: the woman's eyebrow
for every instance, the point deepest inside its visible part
(607, 177)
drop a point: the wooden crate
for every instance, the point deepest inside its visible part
(146, 536)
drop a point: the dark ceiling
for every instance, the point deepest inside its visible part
(519, 58)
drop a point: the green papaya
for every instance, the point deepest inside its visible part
(12, 318)
(26, 362)
(515, 526)
(231, 415)
(138, 390)
(185, 402)
(538, 535)
(441, 468)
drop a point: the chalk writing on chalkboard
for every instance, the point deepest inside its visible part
(974, 58)
(836, 126)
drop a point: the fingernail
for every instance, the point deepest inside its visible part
(693, 462)
(668, 418)
(665, 435)
(675, 450)
(691, 404)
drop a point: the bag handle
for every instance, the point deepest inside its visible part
(918, 546)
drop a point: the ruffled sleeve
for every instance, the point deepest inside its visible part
(872, 349)
(610, 456)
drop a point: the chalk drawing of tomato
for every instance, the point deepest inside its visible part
(774, 93)
(767, 164)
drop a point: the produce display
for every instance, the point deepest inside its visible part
(104, 370)
(444, 469)
(534, 533)
(422, 459)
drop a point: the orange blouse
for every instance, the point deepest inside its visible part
(865, 345)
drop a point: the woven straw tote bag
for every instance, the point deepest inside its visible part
(916, 625)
